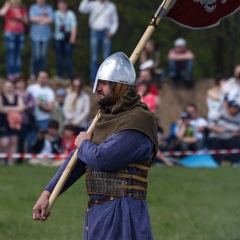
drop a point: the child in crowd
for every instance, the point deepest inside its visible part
(68, 138)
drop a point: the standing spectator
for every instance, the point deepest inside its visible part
(150, 59)
(77, 106)
(11, 107)
(225, 132)
(65, 34)
(14, 35)
(44, 98)
(41, 18)
(103, 23)
(181, 61)
(214, 95)
(199, 124)
(27, 113)
(57, 113)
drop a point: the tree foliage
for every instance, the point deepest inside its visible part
(216, 49)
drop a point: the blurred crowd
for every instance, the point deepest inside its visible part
(218, 131)
(38, 119)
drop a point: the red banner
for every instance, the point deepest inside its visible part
(201, 13)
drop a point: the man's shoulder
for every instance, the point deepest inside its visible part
(48, 89)
(32, 86)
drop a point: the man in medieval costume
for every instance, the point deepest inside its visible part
(115, 158)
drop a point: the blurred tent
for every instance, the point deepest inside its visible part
(195, 161)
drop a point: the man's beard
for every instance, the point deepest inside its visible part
(104, 101)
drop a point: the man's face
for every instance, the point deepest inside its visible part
(192, 111)
(145, 75)
(42, 78)
(40, 2)
(233, 111)
(104, 94)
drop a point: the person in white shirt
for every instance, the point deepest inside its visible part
(103, 23)
(77, 106)
(44, 98)
(231, 88)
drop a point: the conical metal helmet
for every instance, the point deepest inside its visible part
(116, 68)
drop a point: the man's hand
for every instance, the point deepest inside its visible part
(39, 209)
(82, 136)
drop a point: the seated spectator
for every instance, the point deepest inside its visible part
(147, 97)
(65, 33)
(214, 94)
(11, 107)
(77, 106)
(199, 124)
(225, 132)
(181, 61)
(47, 143)
(147, 76)
(150, 59)
(231, 88)
(57, 112)
(27, 113)
(68, 138)
(185, 133)
(14, 36)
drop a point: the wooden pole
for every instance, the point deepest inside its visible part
(67, 171)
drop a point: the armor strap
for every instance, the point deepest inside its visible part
(139, 166)
(127, 175)
(131, 187)
(118, 92)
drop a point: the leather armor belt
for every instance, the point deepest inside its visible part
(108, 199)
(130, 179)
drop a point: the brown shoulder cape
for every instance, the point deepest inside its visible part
(128, 113)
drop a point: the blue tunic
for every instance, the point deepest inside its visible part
(123, 218)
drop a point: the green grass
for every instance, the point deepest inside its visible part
(184, 204)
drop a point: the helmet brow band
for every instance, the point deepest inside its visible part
(119, 90)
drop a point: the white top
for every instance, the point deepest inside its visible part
(214, 107)
(79, 114)
(102, 15)
(196, 123)
(231, 88)
(46, 94)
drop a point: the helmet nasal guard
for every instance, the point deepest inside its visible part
(116, 68)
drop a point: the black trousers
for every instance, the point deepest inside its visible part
(217, 144)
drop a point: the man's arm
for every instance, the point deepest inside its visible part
(44, 19)
(85, 6)
(39, 209)
(114, 21)
(117, 151)
(180, 56)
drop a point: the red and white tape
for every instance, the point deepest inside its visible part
(167, 153)
(33, 155)
(201, 152)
